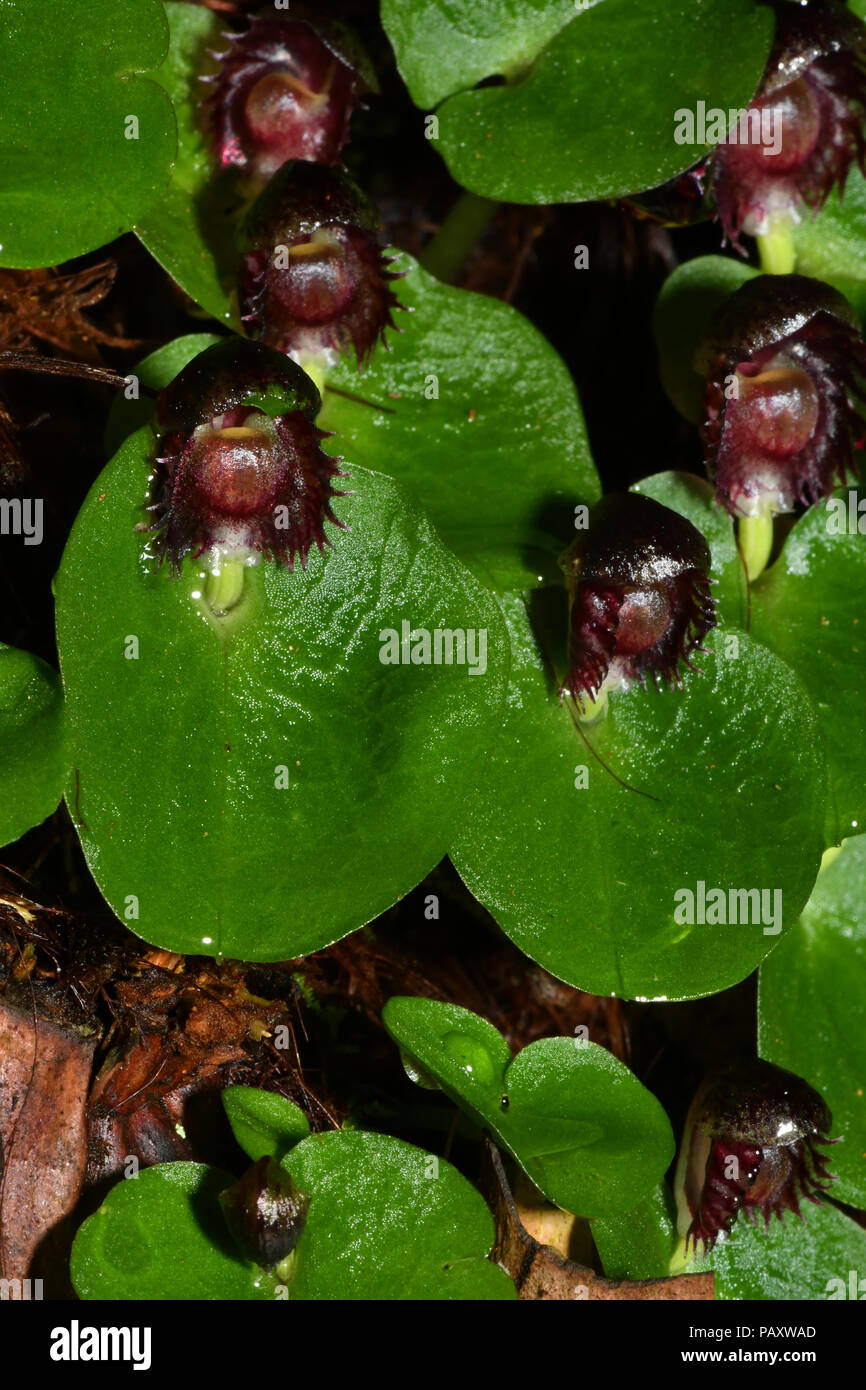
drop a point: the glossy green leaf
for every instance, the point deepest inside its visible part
(589, 878)
(578, 1122)
(261, 784)
(831, 245)
(687, 302)
(264, 1123)
(809, 609)
(388, 1221)
(811, 1259)
(481, 407)
(133, 407)
(191, 230)
(810, 1010)
(87, 142)
(162, 1235)
(443, 47)
(638, 1244)
(32, 754)
(589, 108)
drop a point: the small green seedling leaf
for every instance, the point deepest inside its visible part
(389, 1221)
(162, 1235)
(263, 1123)
(578, 1122)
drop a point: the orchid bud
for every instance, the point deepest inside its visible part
(265, 1213)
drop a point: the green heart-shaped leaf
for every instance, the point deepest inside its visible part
(590, 108)
(32, 755)
(810, 1009)
(598, 883)
(444, 47)
(687, 302)
(388, 1221)
(385, 1221)
(473, 403)
(579, 1123)
(87, 141)
(162, 1235)
(250, 785)
(264, 1123)
(808, 608)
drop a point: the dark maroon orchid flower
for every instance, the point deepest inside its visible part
(640, 600)
(803, 130)
(239, 464)
(780, 157)
(750, 1144)
(783, 394)
(286, 89)
(313, 277)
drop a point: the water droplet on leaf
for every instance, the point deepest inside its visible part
(471, 1056)
(418, 1074)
